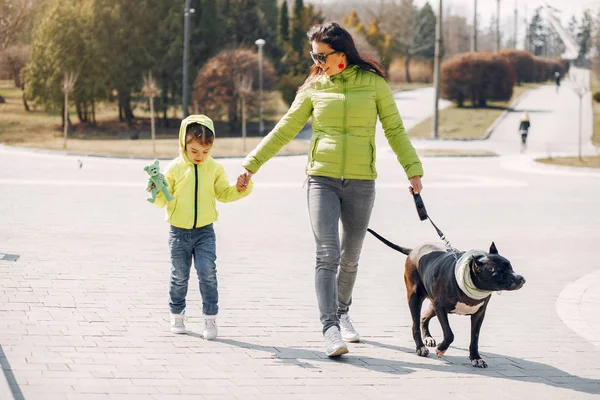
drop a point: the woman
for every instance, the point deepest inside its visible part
(344, 93)
(524, 129)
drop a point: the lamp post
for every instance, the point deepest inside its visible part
(436, 70)
(186, 51)
(497, 26)
(261, 127)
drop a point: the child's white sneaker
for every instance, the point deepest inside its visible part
(178, 323)
(210, 327)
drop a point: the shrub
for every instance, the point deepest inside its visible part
(478, 77)
(597, 96)
(214, 92)
(523, 64)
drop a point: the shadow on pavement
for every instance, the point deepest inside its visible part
(10, 377)
(527, 371)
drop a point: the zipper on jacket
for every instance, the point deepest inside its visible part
(195, 195)
(345, 100)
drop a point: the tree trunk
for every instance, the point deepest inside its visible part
(24, 99)
(407, 67)
(79, 112)
(234, 121)
(165, 100)
(93, 112)
(125, 106)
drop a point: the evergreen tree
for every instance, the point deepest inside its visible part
(283, 33)
(298, 34)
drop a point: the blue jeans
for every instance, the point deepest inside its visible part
(330, 201)
(200, 244)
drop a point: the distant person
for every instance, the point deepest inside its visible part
(196, 180)
(344, 93)
(557, 80)
(524, 130)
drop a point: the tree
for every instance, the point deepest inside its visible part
(298, 33)
(283, 27)
(12, 62)
(13, 20)
(214, 87)
(584, 37)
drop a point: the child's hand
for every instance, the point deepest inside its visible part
(243, 180)
(151, 187)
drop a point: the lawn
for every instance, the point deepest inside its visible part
(452, 119)
(42, 129)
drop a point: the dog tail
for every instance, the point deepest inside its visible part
(401, 249)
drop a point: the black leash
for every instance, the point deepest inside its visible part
(423, 216)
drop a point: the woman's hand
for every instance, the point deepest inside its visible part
(415, 185)
(243, 180)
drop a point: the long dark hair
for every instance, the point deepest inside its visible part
(341, 41)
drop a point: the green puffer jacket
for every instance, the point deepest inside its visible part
(344, 110)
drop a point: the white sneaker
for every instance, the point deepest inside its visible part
(349, 334)
(334, 345)
(210, 327)
(178, 323)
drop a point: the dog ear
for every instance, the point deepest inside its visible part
(493, 249)
(476, 264)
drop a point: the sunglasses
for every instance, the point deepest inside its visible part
(321, 58)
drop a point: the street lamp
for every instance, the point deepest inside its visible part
(261, 127)
(436, 69)
(186, 51)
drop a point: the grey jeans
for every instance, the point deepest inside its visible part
(331, 201)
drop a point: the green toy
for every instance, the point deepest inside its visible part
(156, 182)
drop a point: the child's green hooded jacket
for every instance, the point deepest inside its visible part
(344, 110)
(196, 187)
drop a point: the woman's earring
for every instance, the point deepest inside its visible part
(341, 66)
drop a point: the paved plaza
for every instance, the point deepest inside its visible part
(84, 311)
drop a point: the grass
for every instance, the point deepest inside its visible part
(595, 87)
(452, 119)
(587, 162)
(42, 129)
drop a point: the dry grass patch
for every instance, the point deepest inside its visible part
(595, 87)
(587, 162)
(42, 129)
(454, 153)
(453, 120)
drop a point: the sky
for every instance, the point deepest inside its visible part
(487, 8)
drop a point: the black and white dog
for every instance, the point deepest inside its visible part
(456, 283)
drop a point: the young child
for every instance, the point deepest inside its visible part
(196, 180)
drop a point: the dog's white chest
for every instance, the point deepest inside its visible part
(465, 309)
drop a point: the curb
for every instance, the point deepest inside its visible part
(568, 307)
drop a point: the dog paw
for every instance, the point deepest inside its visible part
(439, 353)
(422, 351)
(429, 341)
(479, 363)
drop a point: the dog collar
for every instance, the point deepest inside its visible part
(462, 274)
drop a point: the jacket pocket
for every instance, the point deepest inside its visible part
(171, 209)
(372, 156)
(313, 152)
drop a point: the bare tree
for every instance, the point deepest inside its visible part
(13, 18)
(242, 84)
(151, 90)
(68, 86)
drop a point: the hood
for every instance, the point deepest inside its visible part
(199, 119)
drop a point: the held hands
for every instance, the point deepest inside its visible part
(415, 185)
(243, 180)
